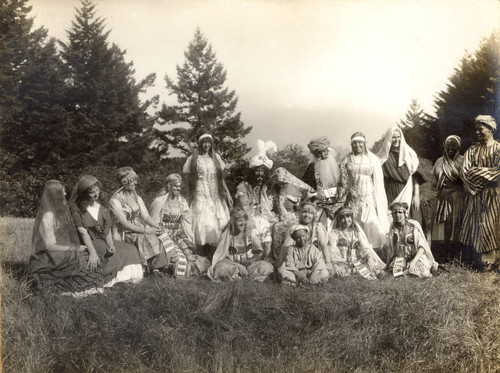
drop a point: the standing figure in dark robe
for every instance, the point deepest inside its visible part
(481, 177)
(401, 179)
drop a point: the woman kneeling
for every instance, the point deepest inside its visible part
(239, 252)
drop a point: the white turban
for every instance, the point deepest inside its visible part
(259, 159)
(488, 120)
(298, 227)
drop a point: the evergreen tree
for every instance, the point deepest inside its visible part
(31, 88)
(473, 89)
(103, 96)
(293, 157)
(417, 131)
(204, 104)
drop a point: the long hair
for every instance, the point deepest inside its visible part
(193, 174)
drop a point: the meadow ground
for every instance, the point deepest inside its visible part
(449, 323)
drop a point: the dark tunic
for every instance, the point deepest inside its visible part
(395, 179)
(125, 254)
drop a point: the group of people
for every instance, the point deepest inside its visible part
(360, 216)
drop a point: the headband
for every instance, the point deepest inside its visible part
(204, 136)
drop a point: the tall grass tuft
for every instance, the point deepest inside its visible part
(445, 324)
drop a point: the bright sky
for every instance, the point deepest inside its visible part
(301, 69)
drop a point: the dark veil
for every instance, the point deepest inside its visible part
(53, 223)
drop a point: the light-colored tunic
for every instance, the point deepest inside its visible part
(210, 212)
(352, 253)
(405, 242)
(362, 180)
(307, 259)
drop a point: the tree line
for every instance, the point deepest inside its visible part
(75, 107)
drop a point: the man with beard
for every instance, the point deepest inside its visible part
(323, 172)
(252, 195)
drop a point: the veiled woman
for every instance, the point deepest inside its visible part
(350, 250)
(170, 212)
(448, 211)
(121, 261)
(133, 224)
(363, 185)
(239, 252)
(401, 179)
(210, 201)
(58, 263)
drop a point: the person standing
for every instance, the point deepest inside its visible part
(481, 177)
(210, 201)
(448, 211)
(401, 179)
(363, 185)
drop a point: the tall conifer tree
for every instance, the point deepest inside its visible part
(473, 89)
(204, 105)
(111, 123)
(31, 90)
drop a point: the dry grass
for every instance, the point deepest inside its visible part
(445, 324)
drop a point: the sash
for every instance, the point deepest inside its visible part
(181, 267)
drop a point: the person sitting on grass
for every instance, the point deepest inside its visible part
(350, 250)
(239, 252)
(409, 252)
(316, 235)
(59, 264)
(170, 211)
(133, 224)
(304, 262)
(121, 261)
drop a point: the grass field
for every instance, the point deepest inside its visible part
(450, 323)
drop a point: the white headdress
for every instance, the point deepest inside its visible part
(263, 148)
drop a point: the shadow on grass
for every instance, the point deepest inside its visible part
(18, 270)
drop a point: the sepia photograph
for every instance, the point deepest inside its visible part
(249, 186)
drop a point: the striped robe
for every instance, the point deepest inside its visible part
(481, 177)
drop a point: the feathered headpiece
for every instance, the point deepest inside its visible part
(263, 149)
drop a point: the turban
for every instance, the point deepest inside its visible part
(298, 227)
(488, 120)
(261, 159)
(455, 138)
(317, 144)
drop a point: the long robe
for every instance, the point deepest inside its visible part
(448, 211)
(481, 177)
(362, 182)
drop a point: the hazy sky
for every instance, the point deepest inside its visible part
(301, 68)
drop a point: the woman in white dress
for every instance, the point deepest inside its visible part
(210, 201)
(362, 182)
